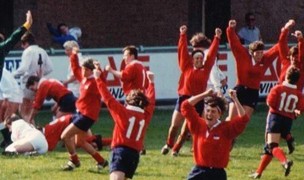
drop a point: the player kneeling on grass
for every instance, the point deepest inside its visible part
(131, 122)
(212, 138)
(26, 138)
(285, 102)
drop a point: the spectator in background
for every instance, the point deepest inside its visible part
(34, 61)
(250, 32)
(71, 82)
(63, 33)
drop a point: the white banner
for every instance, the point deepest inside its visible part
(163, 64)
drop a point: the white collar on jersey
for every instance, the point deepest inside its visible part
(293, 86)
(134, 108)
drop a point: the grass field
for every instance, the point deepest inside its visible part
(244, 158)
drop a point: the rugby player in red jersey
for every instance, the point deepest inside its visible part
(285, 102)
(131, 122)
(212, 138)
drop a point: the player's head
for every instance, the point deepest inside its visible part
(292, 75)
(137, 98)
(198, 58)
(200, 41)
(293, 55)
(214, 108)
(87, 67)
(32, 83)
(9, 120)
(27, 39)
(68, 47)
(256, 49)
(129, 53)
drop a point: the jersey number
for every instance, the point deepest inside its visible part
(131, 126)
(288, 104)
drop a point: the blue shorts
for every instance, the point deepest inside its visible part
(247, 96)
(124, 159)
(82, 122)
(199, 106)
(198, 173)
(67, 103)
(278, 124)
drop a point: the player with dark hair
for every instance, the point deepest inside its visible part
(88, 105)
(44, 88)
(212, 138)
(193, 80)
(131, 122)
(285, 102)
(134, 75)
(250, 69)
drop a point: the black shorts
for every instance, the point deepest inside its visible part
(199, 107)
(67, 103)
(124, 159)
(247, 96)
(198, 173)
(278, 124)
(82, 122)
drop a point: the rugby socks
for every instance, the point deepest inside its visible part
(265, 160)
(98, 158)
(106, 141)
(91, 138)
(279, 154)
(74, 158)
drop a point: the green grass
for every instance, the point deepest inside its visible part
(244, 158)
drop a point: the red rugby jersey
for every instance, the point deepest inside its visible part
(284, 98)
(285, 62)
(248, 74)
(89, 100)
(130, 122)
(54, 129)
(194, 81)
(50, 88)
(134, 76)
(212, 146)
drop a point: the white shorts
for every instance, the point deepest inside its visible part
(39, 142)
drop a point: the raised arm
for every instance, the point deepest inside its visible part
(75, 64)
(116, 73)
(107, 97)
(211, 56)
(15, 37)
(150, 93)
(299, 35)
(239, 107)
(237, 49)
(237, 124)
(184, 60)
(283, 42)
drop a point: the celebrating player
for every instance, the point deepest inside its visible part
(131, 122)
